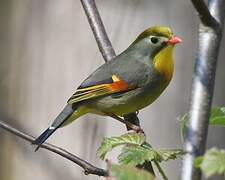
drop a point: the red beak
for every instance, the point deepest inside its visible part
(174, 40)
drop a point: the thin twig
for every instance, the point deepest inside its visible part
(98, 29)
(202, 85)
(204, 14)
(88, 168)
(160, 170)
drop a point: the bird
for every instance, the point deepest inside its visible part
(128, 83)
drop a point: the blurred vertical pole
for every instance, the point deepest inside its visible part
(210, 35)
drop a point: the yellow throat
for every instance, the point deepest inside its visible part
(163, 62)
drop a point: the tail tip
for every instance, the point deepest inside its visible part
(35, 150)
(42, 138)
(35, 142)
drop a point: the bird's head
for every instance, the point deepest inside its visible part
(154, 39)
(157, 43)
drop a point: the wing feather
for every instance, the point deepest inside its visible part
(94, 91)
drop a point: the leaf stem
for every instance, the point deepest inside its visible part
(160, 170)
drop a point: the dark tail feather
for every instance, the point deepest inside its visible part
(42, 138)
(60, 119)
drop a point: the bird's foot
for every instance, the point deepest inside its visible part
(133, 127)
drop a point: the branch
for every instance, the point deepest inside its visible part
(202, 85)
(88, 168)
(98, 29)
(204, 14)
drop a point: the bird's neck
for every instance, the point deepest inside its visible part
(163, 62)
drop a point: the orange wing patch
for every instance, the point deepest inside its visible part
(118, 85)
(99, 90)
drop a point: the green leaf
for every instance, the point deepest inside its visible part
(170, 154)
(217, 118)
(213, 162)
(198, 162)
(134, 155)
(184, 121)
(125, 172)
(127, 139)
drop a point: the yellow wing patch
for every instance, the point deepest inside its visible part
(115, 78)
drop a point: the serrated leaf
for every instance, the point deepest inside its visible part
(213, 163)
(128, 139)
(125, 172)
(134, 155)
(170, 154)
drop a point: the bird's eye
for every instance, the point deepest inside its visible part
(154, 40)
